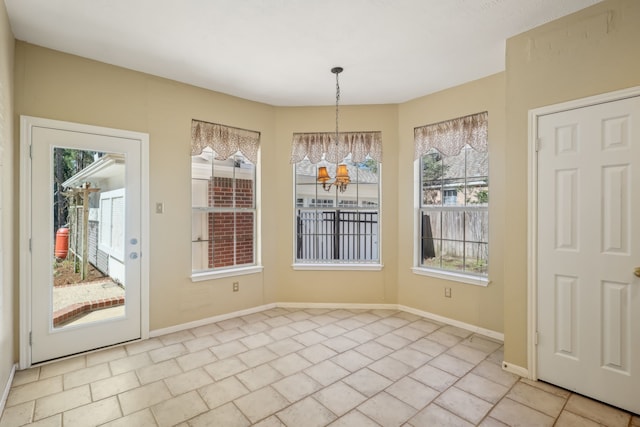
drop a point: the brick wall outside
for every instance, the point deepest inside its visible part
(224, 226)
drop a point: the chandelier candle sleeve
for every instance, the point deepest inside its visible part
(323, 175)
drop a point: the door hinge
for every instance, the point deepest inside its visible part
(30, 152)
(537, 145)
(29, 244)
(30, 338)
(535, 339)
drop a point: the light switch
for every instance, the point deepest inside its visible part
(159, 207)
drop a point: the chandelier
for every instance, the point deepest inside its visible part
(342, 174)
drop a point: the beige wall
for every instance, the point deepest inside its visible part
(54, 85)
(476, 305)
(8, 293)
(594, 51)
(590, 52)
(337, 286)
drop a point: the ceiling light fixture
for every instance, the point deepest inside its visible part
(342, 174)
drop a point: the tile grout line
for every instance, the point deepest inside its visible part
(460, 342)
(366, 366)
(295, 316)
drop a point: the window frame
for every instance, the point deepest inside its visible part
(419, 269)
(236, 269)
(336, 265)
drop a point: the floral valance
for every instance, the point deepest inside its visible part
(314, 145)
(449, 137)
(225, 141)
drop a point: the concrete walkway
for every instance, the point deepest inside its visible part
(65, 296)
(97, 315)
(82, 302)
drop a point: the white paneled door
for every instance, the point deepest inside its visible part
(85, 239)
(589, 251)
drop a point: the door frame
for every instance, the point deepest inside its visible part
(27, 123)
(532, 213)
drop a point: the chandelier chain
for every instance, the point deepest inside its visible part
(342, 173)
(337, 105)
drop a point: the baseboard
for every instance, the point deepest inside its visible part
(7, 387)
(208, 320)
(469, 327)
(347, 306)
(337, 305)
(515, 369)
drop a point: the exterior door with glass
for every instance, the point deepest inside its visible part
(85, 239)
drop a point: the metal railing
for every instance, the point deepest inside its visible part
(337, 235)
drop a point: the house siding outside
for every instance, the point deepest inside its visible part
(98, 258)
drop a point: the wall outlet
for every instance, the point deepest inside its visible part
(236, 286)
(447, 292)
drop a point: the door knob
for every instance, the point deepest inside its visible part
(134, 255)
(637, 271)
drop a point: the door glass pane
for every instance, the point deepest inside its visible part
(88, 228)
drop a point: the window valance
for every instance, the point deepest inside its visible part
(450, 136)
(225, 141)
(314, 145)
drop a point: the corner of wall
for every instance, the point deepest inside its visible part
(8, 336)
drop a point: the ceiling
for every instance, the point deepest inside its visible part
(280, 52)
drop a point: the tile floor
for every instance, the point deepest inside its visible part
(302, 368)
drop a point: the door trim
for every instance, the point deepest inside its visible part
(26, 125)
(532, 212)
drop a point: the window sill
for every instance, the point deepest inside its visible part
(219, 274)
(456, 277)
(338, 267)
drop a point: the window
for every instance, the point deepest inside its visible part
(321, 203)
(333, 226)
(450, 197)
(454, 197)
(111, 217)
(223, 189)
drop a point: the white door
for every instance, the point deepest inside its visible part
(72, 312)
(588, 249)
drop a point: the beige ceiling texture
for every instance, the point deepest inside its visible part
(280, 52)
